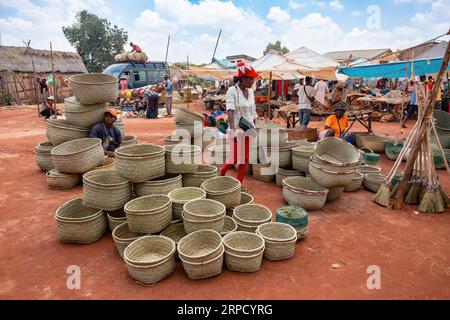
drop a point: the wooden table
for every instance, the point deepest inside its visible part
(351, 97)
(364, 117)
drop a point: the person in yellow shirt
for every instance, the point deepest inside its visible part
(336, 123)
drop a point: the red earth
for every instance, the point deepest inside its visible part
(344, 240)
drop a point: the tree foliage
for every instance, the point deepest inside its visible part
(277, 47)
(96, 40)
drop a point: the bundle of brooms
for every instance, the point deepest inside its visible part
(419, 184)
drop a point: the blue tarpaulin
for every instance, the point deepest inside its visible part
(395, 69)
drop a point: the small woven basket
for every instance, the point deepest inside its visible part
(284, 173)
(334, 194)
(106, 190)
(249, 216)
(203, 173)
(140, 162)
(329, 178)
(116, 218)
(301, 157)
(79, 224)
(356, 183)
(200, 246)
(60, 130)
(182, 195)
(246, 198)
(259, 174)
(373, 181)
(304, 192)
(229, 226)
(191, 225)
(203, 209)
(243, 251)
(61, 181)
(280, 240)
(128, 141)
(94, 88)
(123, 236)
(182, 158)
(205, 269)
(43, 157)
(226, 190)
(83, 115)
(376, 143)
(149, 214)
(175, 232)
(78, 156)
(162, 185)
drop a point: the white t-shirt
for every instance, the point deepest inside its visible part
(321, 89)
(303, 101)
(240, 105)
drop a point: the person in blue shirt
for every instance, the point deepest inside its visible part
(107, 132)
(167, 84)
(412, 106)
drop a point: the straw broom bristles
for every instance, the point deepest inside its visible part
(383, 194)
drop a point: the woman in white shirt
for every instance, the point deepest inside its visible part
(240, 103)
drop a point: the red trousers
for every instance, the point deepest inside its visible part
(235, 152)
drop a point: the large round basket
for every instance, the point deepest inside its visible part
(149, 214)
(182, 158)
(78, 156)
(140, 162)
(181, 196)
(226, 190)
(43, 156)
(200, 246)
(264, 172)
(249, 216)
(301, 156)
(83, 115)
(203, 214)
(186, 115)
(106, 190)
(373, 181)
(280, 240)
(162, 185)
(94, 88)
(304, 192)
(246, 198)
(175, 232)
(229, 226)
(337, 152)
(61, 181)
(329, 178)
(243, 251)
(128, 141)
(203, 172)
(123, 236)
(116, 218)
(60, 130)
(356, 183)
(79, 224)
(284, 173)
(376, 143)
(150, 259)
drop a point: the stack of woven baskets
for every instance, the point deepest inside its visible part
(188, 120)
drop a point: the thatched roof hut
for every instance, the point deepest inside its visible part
(18, 59)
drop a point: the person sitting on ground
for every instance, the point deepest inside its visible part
(135, 47)
(46, 109)
(337, 122)
(107, 132)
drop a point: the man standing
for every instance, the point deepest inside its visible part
(167, 84)
(412, 106)
(321, 89)
(135, 47)
(306, 96)
(107, 132)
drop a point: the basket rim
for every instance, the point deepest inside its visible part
(250, 234)
(192, 234)
(119, 151)
(227, 217)
(372, 177)
(171, 194)
(246, 257)
(116, 238)
(175, 227)
(96, 142)
(87, 175)
(152, 263)
(193, 148)
(273, 240)
(214, 192)
(202, 221)
(331, 172)
(127, 210)
(318, 192)
(244, 206)
(211, 201)
(60, 174)
(75, 77)
(56, 123)
(65, 204)
(173, 177)
(220, 255)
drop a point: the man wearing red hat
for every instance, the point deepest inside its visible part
(241, 109)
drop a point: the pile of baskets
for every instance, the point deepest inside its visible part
(188, 121)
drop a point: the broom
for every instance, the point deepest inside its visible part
(414, 183)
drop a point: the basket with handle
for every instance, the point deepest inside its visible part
(106, 190)
(94, 88)
(162, 185)
(330, 178)
(370, 157)
(43, 157)
(226, 190)
(280, 240)
(83, 115)
(243, 251)
(140, 162)
(78, 156)
(304, 192)
(181, 196)
(123, 236)
(61, 181)
(203, 172)
(182, 158)
(60, 130)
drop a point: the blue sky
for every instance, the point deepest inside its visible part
(248, 25)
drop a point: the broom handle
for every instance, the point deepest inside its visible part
(440, 146)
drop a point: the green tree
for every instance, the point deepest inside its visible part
(96, 40)
(277, 47)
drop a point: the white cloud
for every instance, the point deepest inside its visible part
(437, 18)
(15, 23)
(296, 5)
(151, 20)
(336, 5)
(277, 14)
(356, 13)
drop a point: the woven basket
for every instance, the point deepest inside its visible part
(150, 259)
(203, 173)
(203, 209)
(257, 172)
(108, 164)
(162, 185)
(284, 173)
(182, 158)
(149, 214)
(282, 153)
(229, 226)
(106, 190)
(128, 141)
(226, 190)
(356, 183)
(174, 140)
(193, 129)
(175, 232)
(334, 194)
(79, 224)
(200, 246)
(300, 158)
(94, 88)
(265, 132)
(191, 225)
(280, 240)
(43, 158)
(116, 218)
(123, 236)
(140, 162)
(182, 195)
(185, 115)
(295, 216)
(61, 181)
(60, 130)
(330, 179)
(304, 192)
(392, 152)
(373, 181)
(243, 251)
(337, 152)
(376, 143)
(368, 169)
(249, 216)
(205, 269)
(246, 198)
(78, 156)
(83, 115)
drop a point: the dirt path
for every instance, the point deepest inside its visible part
(411, 250)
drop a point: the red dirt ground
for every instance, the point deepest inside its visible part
(411, 250)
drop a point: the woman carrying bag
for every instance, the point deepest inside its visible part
(241, 111)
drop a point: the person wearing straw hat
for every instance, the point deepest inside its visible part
(241, 109)
(107, 132)
(46, 109)
(336, 123)
(339, 94)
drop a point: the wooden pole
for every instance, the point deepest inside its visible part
(22, 86)
(270, 93)
(215, 48)
(33, 82)
(19, 102)
(422, 130)
(188, 85)
(54, 80)
(167, 49)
